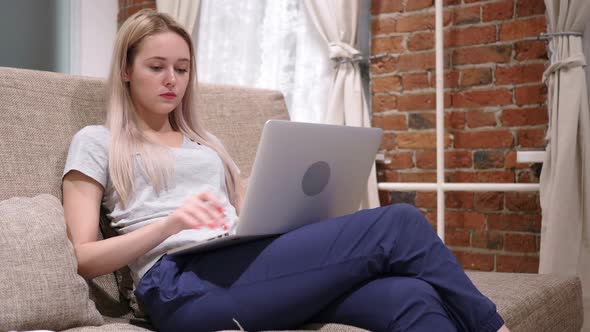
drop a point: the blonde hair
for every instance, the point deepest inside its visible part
(127, 139)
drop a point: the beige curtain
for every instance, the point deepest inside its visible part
(565, 178)
(337, 22)
(184, 11)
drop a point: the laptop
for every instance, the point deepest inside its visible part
(302, 173)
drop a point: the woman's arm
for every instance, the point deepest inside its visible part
(82, 198)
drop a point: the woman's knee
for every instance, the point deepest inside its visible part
(403, 213)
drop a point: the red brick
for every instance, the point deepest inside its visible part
(531, 138)
(426, 159)
(515, 222)
(516, 242)
(524, 116)
(519, 264)
(483, 176)
(458, 159)
(522, 201)
(530, 50)
(421, 41)
(475, 261)
(383, 25)
(451, 79)
(426, 199)
(386, 84)
(388, 141)
(485, 159)
(527, 176)
(489, 201)
(498, 11)
(466, 15)
(459, 200)
(384, 197)
(462, 219)
(476, 76)
(391, 122)
(456, 120)
(417, 176)
(501, 138)
(399, 160)
(510, 161)
(422, 120)
(451, 2)
(457, 237)
(523, 28)
(484, 54)
(427, 120)
(431, 217)
(470, 36)
(383, 103)
(453, 159)
(477, 119)
(415, 81)
(387, 45)
(418, 4)
(383, 65)
(389, 176)
(416, 61)
(520, 74)
(386, 6)
(418, 140)
(487, 240)
(530, 7)
(476, 98)
(418, 22)
(416, 101)
(526, 95)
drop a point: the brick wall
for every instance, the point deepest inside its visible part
(495, 105)
(130, 7)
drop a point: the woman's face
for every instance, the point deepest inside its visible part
(160, 73)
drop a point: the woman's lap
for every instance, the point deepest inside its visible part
(285, 281)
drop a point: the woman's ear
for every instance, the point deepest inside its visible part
(126, 74)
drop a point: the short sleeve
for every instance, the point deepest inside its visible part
(88, 153)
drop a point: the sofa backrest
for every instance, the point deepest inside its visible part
(41, 111)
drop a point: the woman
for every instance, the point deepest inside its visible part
(165, 182)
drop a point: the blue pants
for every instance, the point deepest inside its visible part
(383, 269)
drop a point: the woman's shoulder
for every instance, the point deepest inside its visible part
(95, 134)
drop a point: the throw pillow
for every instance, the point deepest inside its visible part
(39, 283)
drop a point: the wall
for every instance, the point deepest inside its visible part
(495, 105)
(33, 35)
(129, 7)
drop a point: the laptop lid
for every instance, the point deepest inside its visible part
(304, 173)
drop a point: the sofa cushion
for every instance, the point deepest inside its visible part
(534, 302)
(39, 283)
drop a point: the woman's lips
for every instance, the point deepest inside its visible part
(169, 95)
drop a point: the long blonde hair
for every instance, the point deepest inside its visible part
(127, 139)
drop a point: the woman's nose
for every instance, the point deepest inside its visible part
(170, 79)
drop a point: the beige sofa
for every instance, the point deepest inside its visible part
(40, 112)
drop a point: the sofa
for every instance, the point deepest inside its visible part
(39, 114)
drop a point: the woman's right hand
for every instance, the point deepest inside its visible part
(201, 210)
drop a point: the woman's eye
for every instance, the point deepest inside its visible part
(181, 71)
(155, 68)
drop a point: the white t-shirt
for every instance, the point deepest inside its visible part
(197, 169)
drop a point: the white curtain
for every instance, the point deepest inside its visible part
(565, 178)
(265, 44)
(337, 22)
(184, 11)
